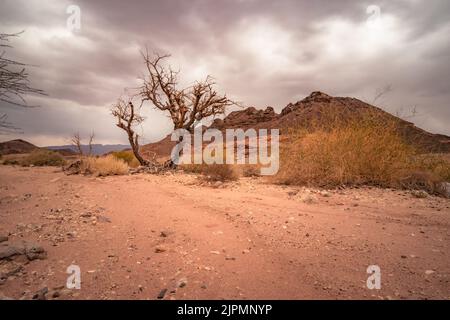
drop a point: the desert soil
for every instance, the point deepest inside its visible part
(133, 237)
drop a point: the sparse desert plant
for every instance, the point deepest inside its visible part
(10, 162)
(213, 172)
(42, 158)
(128, 157)
(249, 170)
(364, 151)
(104, 166)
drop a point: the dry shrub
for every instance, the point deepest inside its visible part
(366, 151)
(128, 157)
(42, 158)
(104, 166)
(251, 170)
(213, 172)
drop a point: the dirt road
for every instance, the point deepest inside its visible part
(135, 236)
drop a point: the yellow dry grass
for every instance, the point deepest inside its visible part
(104, 166)
(364, 151)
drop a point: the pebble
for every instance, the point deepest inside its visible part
(160, 250)
(161, 294)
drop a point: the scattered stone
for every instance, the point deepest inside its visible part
(8, 270)
(428, 272)
(215, 252)
(160, 250)
(217, 184)
(161, 294)
(403, 257)
(34, 251)
(308, 199)
(9, 251)
(163, 234)
(445, 189)
(182, 283)
(103, 219)
(325, 194)
(86, 215)
(420, 194)
(40, 294)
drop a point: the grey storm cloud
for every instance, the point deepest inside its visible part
(261, 52)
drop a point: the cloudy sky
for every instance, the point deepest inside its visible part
(261, 52)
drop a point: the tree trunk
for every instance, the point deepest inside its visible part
(135, 147)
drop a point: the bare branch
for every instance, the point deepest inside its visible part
(76, 142)
(185, 106)
(14, 80)
(127, 118)
(380, 92)
(91, 140)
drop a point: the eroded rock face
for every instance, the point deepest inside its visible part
(245, 118)
(31, 250)
(34, 251)
(8, 251)
(445, 189)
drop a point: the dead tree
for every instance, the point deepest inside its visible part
(14, 80)
(76, 142)
(185, 106)
(91, 141)
(127, 118)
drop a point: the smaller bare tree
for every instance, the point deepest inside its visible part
(91, 142)
(76, 142)
(127, 118)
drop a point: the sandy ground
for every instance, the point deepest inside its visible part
(134, 236)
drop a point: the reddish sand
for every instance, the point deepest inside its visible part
(243, 240)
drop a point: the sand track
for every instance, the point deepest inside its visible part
(133, 236)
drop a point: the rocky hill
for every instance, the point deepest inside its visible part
(319, 106)
(16, 147)
(315, 109)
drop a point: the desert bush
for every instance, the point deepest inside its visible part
(128, 157)
(366, 151)
(104, 166)
(213, 172)
(11, 162)
(249, 170)
(43, 157)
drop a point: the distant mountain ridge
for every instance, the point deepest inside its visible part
(19, 146)
(97, 149)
